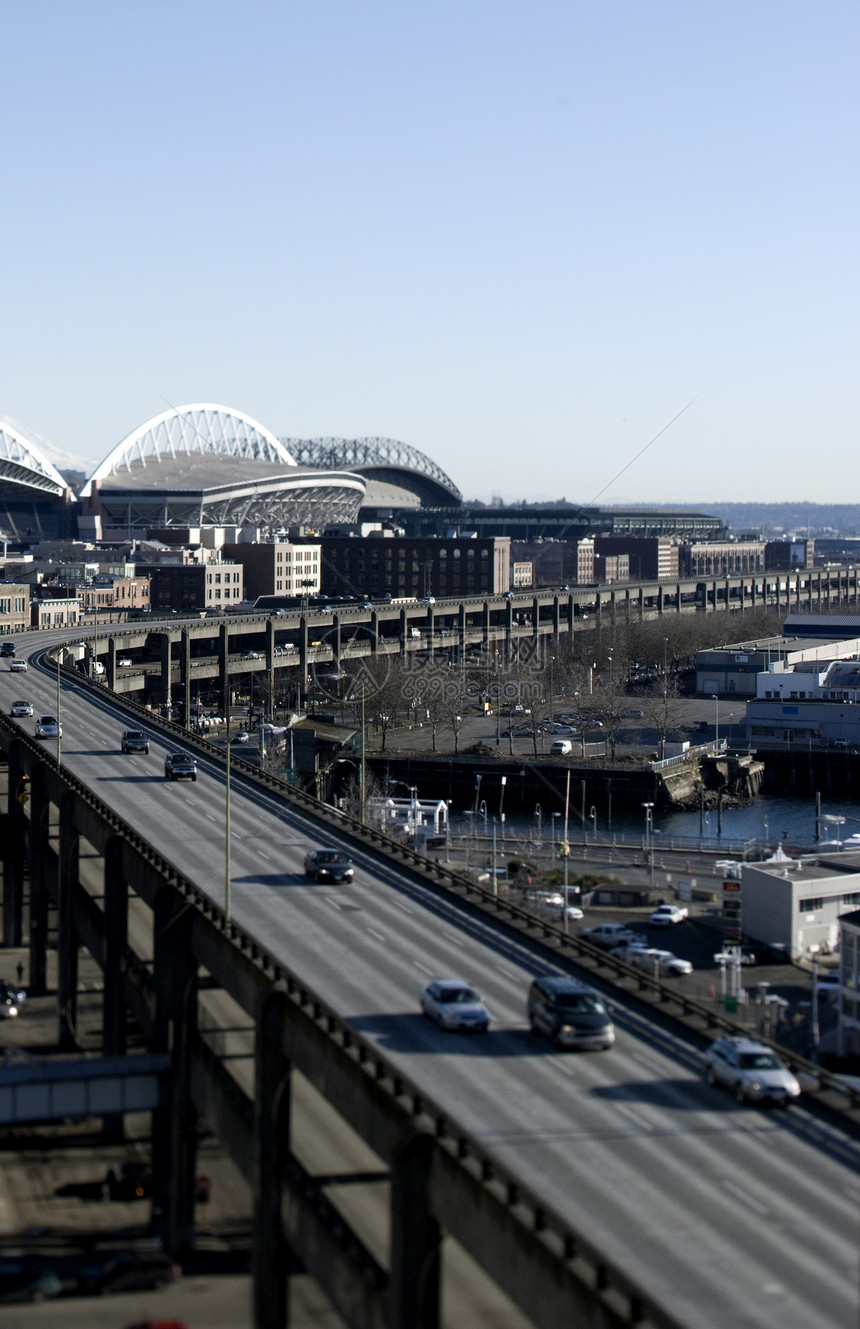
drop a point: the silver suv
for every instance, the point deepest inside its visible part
(752, 1070)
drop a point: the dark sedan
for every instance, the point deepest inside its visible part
(329, 865)
(132, 1272)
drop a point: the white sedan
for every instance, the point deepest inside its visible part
(660, 963)
(552, 906)
(455, 1005)
(47, 726)
(125, 663)
(668, 915)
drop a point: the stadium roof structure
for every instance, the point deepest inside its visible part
(208, 465)
(396, 473)
(25, 471)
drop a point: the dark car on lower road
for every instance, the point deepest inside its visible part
(329, 865)
(132, 1271)
(179, 766)
(134, 740)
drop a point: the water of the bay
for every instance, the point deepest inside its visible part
(766, 822)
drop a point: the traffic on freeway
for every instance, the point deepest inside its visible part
(723, 1212)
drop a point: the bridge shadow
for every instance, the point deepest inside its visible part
(408, 1032)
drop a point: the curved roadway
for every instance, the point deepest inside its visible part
(723, 1214)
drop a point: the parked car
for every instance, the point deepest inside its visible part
(633, 713)
(24, 1282)
(134, 740)
(751, 1070)
(47, 726)
(125, 662)
(552, 906)
(668, 915)
(329, 865)
(660, 964)
(180, 766)
(21, 708)
(130, 1272)
(728, 868)
(250, 655)
(569, 1013)
(608, 936)
(242, 737)
(455, 1005)
(18, 667)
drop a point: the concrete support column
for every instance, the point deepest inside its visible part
(336, 643)
(374, 632)
(571, 616)
(461, 632)
(535, 619)
(509, 629)
(185, 675)
(43, 877)
(485, 626)
(67, 938)
(116, 942)
(415, 1239)
(272, 1101)
(174, 1124)
(164, 656)
(431, 628)
(111, 662)
(556, 617)
(404, 633)
(13, 848)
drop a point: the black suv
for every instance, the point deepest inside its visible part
(134, 740)
(179, 766)
(569, 1013)
(7, 648)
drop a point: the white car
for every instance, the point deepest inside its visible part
(250, 655)
(552, 906)
(47, 726)
(18, 667)
(751, 1070)
(728, 868)
(21, 708)
(609, 936)
(242, 737)
(659, 963)
(668, 915)
(125, 663)
(455, 1005)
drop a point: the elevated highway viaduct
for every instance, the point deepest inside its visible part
(206, 650)
(607, 1190)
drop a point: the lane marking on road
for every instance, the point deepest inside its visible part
(504, 971)
(378, 935)
(560, 1067)
(402, 907)
(646, 1061)
(209, 816)
(422, 967)
(456, 941)
(260, 854)
(745, 1197)
(632, 1116)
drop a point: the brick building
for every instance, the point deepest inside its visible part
(401, 567)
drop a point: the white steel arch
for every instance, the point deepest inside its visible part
(186, 430)
(23, 462)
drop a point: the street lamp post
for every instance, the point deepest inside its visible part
(649, 843)
(592, 817)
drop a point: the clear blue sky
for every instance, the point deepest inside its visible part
(521, 237)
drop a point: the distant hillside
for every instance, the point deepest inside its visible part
(776, 519)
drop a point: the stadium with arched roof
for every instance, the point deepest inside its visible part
(207, 465)
(397, 475)
(34, 497)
